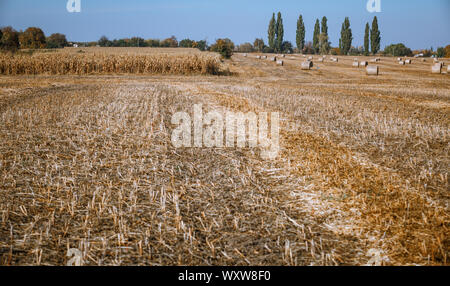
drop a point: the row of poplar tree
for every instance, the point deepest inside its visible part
(321, 43)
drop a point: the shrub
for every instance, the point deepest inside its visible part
(268, 50)
(335, 51)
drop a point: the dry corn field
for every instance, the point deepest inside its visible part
(99, 61)
(86, 162)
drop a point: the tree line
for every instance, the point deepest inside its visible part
(34, 38)
(31, 38)
(320, 43)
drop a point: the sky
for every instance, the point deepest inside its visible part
(416, 23)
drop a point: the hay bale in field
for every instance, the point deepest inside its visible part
(283, 56)
(408, 61)
(436, 68)
(320, 60)
(372, 70)
(258, 57)
(304, 56)
(307, 65)
(399, 59)
(364, 63)
(402, 63)
(448, 69)
(245, 55)
(356, 64)
(264, 57)
(335, 60)
(424, 60)
(273, 59)
(280, 63)
(310, 58)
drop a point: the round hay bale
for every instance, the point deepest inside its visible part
(320, 60)
(372, 70)
(402, 63)
(399, 59)
(408, 61)
(258, 57)
(280, 63)
(273, 59)
(335, 60)
(356, 64)
(310, 58)
(264, 57)
(448, 69)
(436, 68)
(307, 65)
(283, 56)
(364, 63)
(245, 55)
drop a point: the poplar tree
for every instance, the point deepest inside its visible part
(300, 38)
(375, 38)
(271, 32)
(279, 33)
(346, 37)
(323, 39)
(366, 40)
(316, 44)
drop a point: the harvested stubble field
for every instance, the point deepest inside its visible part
(86, 162)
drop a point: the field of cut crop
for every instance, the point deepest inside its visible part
(86, 162)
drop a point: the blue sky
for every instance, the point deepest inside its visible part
(417, 23)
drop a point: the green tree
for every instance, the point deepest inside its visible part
(32, 38)
(186, 43)
(300, 37)
(104, 42)
(272, 32)
(375, 38)
(287, 47)
(202, 45)
(366, 40)
(323, 38)
(10, 39)
(170, 42)
(224, 47)
(259, 45)
(56, 41)
(316, 43)
(440, 52)
(279, 33)
(398, 50)
(346, 37)
(324, 44)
